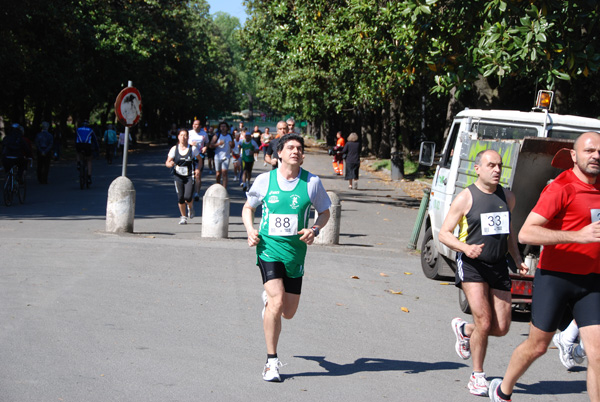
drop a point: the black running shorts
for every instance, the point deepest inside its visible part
(553, 292)
(470, 270)
(276, 270)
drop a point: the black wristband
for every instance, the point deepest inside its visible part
(316, 230)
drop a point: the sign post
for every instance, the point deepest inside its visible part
(128, 108)
(120, 206)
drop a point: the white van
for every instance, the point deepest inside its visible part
(527, 142)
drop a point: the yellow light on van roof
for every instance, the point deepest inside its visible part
(544, 99)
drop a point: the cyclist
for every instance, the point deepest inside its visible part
(85, 143)
(15, 151)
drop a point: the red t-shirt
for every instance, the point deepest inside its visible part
(568, 204)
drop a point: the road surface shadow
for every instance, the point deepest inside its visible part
(374, 365)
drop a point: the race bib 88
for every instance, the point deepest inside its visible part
(283, 224)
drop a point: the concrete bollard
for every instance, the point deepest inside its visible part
(330, 234)
(215, 212)
(120, 207)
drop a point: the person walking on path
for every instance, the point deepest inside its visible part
(566, 222)
(482, 268)
(181, 162)
(271, 155)
(44, 143)
(110, 142)
(351, 152)
(338, 156)
(286, 195)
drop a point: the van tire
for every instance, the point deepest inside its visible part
(431, 261)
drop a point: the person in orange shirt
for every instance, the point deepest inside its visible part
(338, 156)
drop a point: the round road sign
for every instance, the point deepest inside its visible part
(128, 106)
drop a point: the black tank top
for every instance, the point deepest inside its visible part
(494, 211)
(187, 161)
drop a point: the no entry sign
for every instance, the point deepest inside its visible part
(128, 106)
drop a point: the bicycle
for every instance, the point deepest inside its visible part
(83, 175)
(12, 187)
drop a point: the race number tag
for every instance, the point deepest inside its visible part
(247, 152)
(494, 223)
(595, 215)
(283, 225)
(181, 170)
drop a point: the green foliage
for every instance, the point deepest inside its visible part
(320, 57)
(67, 57)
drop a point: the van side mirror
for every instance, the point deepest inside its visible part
(427, 153)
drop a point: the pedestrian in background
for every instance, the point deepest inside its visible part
(110, 142)
(44, 143)
(271, 156)
(338, 156)
(222, 143)
(351, 152)
(265, 139)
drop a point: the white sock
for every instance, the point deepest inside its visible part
(570, 334)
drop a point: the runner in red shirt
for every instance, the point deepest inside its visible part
(566, 221)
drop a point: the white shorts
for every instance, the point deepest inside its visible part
(221, 164)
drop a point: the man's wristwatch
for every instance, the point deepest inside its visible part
(315, 230)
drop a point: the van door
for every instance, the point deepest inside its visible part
(443, 188)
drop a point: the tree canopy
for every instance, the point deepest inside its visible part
(322, 58)
(393, 71)
(71, 58)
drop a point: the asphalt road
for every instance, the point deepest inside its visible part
(165, 315)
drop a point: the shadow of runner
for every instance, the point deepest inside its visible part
(551, 388)
(374, 365)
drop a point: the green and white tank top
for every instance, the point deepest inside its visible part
(284, 214)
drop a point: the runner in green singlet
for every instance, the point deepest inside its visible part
(286, 195)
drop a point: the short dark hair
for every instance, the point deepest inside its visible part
(289, 137)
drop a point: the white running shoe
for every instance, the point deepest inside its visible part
(478, 385)
(264, 299)
(462, 346)
(183, 220)
(271, 370)
(565, 351)
(191, 211)
(493, 391)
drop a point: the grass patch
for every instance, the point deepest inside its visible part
(382, 164)
(410, 166)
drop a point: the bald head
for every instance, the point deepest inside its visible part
(487, 153)
(585, 137)
(586, 156)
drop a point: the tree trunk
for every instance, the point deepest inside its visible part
(451, 111)
(397, 155)
(384, 148)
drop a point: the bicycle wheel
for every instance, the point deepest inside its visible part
(82, 179)
(8, 190)
(87, 179)
(22, 191)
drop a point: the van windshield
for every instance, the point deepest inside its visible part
(503, 132)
